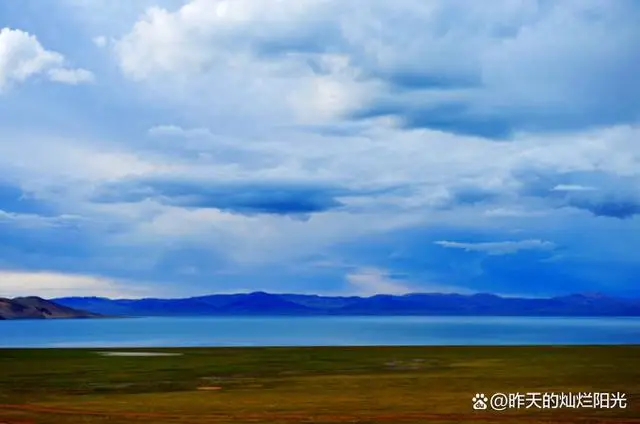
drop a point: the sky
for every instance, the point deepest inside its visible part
(172, 148)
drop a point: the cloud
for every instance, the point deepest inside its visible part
(499, 247)
(100, 41)
(613, 203)
(346, 187)
(52, 284)
(572, 187)
(239, 197)
(71, 76)
(612, 208)
(195, 34)
(176, 131)
(23, 57)
(29, 158)
(602, 194)
(242, 140)
(13, 199)
(513, 213)
(371, 281)
(479, 78)
(501, 95)
(34, 220)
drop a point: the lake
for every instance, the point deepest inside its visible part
(317, 331)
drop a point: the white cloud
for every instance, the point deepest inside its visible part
(71, 76)
(513, 213)
(23, 57)
(202, 32)
(320, 60)
(24, 220)
(572, 187)
(371, 281)
(53, 284)
(106, 17)
(215, 46)
(67, 172)
(177, 131)
(260, 239)
(100, 41)
(499, 247)
(49, 160)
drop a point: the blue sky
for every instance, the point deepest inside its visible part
(183, 147)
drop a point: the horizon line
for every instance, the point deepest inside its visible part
(503, 296)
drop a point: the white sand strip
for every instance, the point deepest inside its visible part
(138, 354)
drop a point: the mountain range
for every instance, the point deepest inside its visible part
(33, 307)
(260, 303)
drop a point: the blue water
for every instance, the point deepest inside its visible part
(317, 331)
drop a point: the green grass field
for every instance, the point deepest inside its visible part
(310, 385)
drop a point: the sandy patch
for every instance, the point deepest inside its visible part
(138, 354)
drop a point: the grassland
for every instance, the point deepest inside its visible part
(314, 385)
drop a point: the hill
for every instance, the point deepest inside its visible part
(33, 307)
(261, 303)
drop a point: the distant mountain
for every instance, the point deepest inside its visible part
(263, 303)
(260, 303)
(38, 308)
